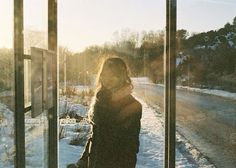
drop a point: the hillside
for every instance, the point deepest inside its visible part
(208, 59)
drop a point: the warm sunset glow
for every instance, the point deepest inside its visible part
(85, 22)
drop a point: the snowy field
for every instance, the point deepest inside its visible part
(6, 137)
(151, 153)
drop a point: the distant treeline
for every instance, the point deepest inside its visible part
(144, 56)
(205, 59)
(6, 69)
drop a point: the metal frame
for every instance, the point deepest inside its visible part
(52, 113)
(170, 84)
(19, 85)
(19, 160)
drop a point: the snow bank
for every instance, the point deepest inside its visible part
(215, 92)
(141, 80)
(151, 151)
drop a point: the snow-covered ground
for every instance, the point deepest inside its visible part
(151, 142)
(71, 153)
(215, 92)
(151, 153)
(6, 137)
(34, 141)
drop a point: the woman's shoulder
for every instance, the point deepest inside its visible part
(135, 104)
(132, 108)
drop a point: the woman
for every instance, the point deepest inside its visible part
(115, 115)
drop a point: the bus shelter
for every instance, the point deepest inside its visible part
(43, 79)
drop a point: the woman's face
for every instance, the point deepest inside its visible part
(109, 80)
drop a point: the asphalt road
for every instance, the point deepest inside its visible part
(207, 121)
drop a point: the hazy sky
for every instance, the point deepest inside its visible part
(85, 22)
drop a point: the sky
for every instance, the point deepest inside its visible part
(82, 23)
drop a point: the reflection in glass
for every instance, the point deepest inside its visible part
(27, 82)
(7, 126)
(36, 119)
(36, 139)
(206, 107)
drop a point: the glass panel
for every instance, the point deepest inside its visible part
(35, 24)
(206, 68)
(27, 82)
(7, 134)
(92, 30)
(36, 137)
(36, 121)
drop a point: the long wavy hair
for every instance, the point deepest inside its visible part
(119, 68)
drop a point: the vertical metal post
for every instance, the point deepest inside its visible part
(166, 80)
(52, 113)
(170, 84)
(19, 84)
(172, 112)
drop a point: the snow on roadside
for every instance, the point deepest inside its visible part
(215, 92)
(152, 133)
(151, 150)
(143, 79)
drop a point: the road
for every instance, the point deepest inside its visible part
(207, 121)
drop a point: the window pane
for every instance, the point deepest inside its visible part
(206, 68)
(92, 30)
(7, 134)
(27, 82)
(35, 24)
(36, 119)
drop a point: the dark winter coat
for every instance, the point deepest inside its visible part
(115, 135)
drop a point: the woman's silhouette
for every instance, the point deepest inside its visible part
(115, 115)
